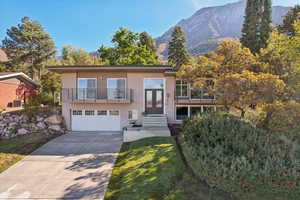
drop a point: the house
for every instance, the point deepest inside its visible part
(15, 87)
(110, 98)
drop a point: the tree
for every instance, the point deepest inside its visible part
(287, 27)
(230, 58)
(27, 46)
(245, 89)
(257, 24)
(74, 56)
(177, 52)
(50, 82)
(240, 81)
(266, 23)
(129, 48)
(281, 57)
(148, 42)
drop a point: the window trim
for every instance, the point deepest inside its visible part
(188, 88)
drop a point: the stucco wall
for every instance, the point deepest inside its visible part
(135, 81)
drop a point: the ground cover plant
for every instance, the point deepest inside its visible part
(232, 155)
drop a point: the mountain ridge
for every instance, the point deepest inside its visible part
(209, 25)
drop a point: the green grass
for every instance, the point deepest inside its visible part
(152, 169)
(13, 150)
(145, 170)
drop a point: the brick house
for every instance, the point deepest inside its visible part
(15, 88)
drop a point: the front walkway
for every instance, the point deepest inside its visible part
(77, 165)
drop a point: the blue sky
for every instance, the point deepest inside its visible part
(90, 23)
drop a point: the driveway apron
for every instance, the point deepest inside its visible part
(76, 165)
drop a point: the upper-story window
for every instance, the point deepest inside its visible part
(116, 88)
(87, 88)
(181, 88)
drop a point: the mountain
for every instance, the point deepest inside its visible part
(204, 29)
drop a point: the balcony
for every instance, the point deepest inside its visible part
(195, 96)
(97, 95)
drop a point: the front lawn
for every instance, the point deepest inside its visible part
(13, 150)
(145, 169)
(152, 169)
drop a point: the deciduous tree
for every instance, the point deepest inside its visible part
(287, 27)
(77, 56)
(129, 48)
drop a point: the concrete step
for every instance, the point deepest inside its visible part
(155, 121)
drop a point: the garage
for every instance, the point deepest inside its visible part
(96, 120)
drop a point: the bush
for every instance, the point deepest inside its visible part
(232, 155)
(282, 117)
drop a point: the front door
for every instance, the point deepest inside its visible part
(154, 101)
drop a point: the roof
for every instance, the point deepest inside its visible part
(3, 57)
(131, 68)
(20, 76)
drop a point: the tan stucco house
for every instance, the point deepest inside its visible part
(110, 98)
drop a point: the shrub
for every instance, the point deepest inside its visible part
(31, 107)
(282, 117)
(234, 156)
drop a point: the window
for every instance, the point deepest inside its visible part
(116, 88)
(89, 113)
(181, 88)
(196, 93)
(182, 113)
(208, 109)
(154, 83)
(195, 111)
(102, 112)
(133, 115)
(87, 88)
(130, 115)
(77, 112)
(114, 112)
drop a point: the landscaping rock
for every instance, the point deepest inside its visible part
(39, 118)
(13, 124)
(41, 125)
(54, 120)
(56, 128)
(22, 131)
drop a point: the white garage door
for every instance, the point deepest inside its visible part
(96, 120)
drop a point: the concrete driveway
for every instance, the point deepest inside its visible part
(77, 165)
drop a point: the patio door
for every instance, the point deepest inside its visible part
(154, 101)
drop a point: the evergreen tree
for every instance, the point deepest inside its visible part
(28, 46)
(257, 25)
(177, 52)
(266, 23)
(287, 27)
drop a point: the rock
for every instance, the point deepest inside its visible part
(1, 117)
(39, 118)
(13, 124)
(3, 125)
(24, 118)
(41, 125)
(22, 131)
(56, 128)
(54, 120)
